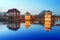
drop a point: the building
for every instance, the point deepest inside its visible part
(13, 15)
(27, 19)
(47, 20)
(13, 19)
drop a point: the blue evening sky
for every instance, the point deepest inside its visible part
(32, 6)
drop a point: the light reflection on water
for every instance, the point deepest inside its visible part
(35, 31)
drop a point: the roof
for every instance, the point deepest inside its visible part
(13, 10)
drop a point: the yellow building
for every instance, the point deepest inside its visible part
(27, 20)
(47, 21)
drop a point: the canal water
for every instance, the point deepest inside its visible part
(35, 32)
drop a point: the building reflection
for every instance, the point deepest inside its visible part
(13, 26)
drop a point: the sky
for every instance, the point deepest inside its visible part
(32, 6)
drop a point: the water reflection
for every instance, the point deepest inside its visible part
(16, 26)
(13, 26)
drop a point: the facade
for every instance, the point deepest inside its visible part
(13, 15)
